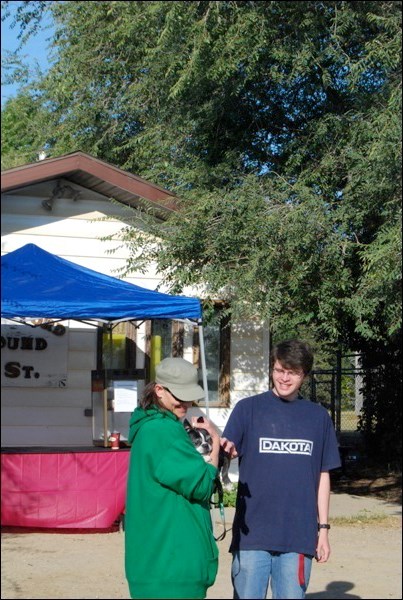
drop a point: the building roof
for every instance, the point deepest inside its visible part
(92, 173)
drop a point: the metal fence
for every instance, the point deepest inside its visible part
(340, 391)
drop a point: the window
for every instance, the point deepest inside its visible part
(169, 338)
(117, 348)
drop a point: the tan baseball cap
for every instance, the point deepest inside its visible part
(180, 377)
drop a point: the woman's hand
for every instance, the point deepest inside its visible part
(203, 423)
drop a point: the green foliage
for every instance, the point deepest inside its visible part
(277, 124)
(278, 127)
(21, 135)
(381, 418)
(230, 495)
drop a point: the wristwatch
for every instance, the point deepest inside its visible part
(323, 526)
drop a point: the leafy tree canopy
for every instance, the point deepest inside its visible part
(277, 125)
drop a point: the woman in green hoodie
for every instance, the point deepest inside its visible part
(170, 551)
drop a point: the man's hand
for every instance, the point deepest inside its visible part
(323, 547)
(228, 447)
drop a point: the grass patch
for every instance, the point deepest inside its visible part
(367, 518)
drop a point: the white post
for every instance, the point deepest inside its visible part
(204, 369)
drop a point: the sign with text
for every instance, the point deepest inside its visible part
(34, 356)
(125, 396)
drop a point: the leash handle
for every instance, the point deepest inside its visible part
(220, 505)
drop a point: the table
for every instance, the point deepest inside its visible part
(63, 488)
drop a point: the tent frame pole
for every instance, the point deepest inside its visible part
(105, 417)
(203, 366)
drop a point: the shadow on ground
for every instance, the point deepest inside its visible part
(362, 480)
(335, 589)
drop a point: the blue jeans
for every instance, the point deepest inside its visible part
(287, 572)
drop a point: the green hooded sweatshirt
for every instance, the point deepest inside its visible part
(170, 551)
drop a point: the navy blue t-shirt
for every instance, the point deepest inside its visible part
(283, 447)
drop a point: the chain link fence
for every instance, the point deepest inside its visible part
(339, 390)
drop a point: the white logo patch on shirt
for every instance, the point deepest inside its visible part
(279, 446)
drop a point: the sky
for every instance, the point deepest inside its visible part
(34, 50)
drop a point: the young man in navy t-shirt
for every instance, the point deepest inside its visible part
(286, 446)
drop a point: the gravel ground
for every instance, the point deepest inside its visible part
(365, 562)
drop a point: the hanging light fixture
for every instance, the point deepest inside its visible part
(60, 191)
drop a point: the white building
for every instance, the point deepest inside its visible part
(64, 205)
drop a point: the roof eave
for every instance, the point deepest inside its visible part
(62, 166)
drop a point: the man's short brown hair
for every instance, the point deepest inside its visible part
(293, 354)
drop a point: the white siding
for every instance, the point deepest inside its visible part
(57, 436)
(249, 366)
(72, 230)
(54, 416)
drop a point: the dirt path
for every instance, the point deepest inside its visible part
(365, 561)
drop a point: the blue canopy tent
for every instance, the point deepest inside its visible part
(37, 284)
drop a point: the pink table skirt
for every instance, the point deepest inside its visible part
(63, 490)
